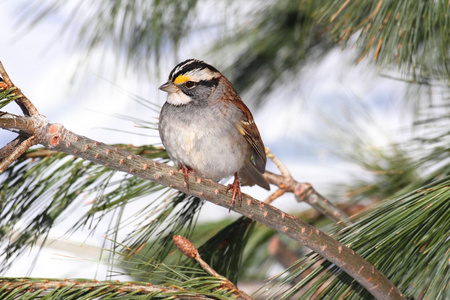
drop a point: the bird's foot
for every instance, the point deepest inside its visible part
(186, 172)
(235, 186)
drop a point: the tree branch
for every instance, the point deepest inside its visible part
(303, 192)
(56, 137)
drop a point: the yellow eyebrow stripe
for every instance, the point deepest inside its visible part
(181, 79)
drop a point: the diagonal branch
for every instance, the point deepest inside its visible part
(56, 137)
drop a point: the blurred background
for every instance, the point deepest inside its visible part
(346, 114)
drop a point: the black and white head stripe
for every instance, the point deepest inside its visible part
(191, 69)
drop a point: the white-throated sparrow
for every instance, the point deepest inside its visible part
(205, 127)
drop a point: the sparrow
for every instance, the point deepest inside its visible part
(206, 128)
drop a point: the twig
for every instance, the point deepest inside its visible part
(187, 248)
(282, 167)
(16, 153)
(303, 192)
(284, 172)
(278, 193)
(40, 153)
(24, 103)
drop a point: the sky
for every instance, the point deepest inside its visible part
(88, 101)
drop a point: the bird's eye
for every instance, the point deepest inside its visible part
(189, 84)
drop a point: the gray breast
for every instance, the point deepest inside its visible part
(204, 138)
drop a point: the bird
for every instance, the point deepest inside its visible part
(207, 129)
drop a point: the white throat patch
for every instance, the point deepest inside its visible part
(178, 98)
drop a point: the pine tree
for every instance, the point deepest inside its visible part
(402, 240)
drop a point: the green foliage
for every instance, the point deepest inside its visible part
(7, 96)
(268, 44)
(42, 186)
(137, 31)
(224, 250)
(281, 37)
(46, 185)
(413, 35)
(406, 238)
(186, 288)
(221, 246)
(353, 134)
(392, 171)
(152, 238)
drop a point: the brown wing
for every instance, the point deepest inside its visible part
(248, 129)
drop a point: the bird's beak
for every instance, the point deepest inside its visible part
(169, 87)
